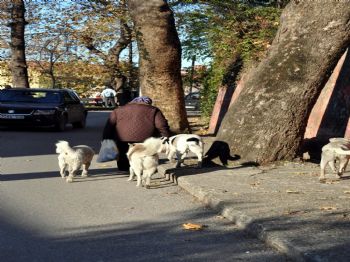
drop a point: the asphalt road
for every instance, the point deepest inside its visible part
(102, 217)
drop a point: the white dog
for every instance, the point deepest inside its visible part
(143, 158)
(337, 149)
(71, 159)
(181, 144)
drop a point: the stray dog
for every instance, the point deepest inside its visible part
(71, 159)
(181, 144)
(337, 149)
(143, 158)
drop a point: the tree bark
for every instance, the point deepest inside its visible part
(18, 63)
(268, 121)
(160, 59)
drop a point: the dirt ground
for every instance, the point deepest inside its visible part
(199, 125)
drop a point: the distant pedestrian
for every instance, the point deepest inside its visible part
(108, 96)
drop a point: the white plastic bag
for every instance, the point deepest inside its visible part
(108, 151)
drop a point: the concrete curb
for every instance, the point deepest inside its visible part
(242, 220)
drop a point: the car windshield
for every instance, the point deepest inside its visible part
(29, 96)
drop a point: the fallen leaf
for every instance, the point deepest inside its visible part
(292, 191)
(171, 193)
(331, 182)
(191, 226)
(295, 212)
(328, 208)
(300, 173)
(255, 184)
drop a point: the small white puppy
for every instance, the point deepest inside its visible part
(143, 158)
(71, 159)
(181, 144)
(337, 149)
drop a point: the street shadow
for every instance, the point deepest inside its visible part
(218, 157)
(134, 242)
(167, 241)
(330, 239)
(221, 150)
(94, 174)
(171, 174)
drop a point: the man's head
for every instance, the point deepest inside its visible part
(142, 99)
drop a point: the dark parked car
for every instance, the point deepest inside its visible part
(192, 101)
(41, 107)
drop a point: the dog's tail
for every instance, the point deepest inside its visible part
(62, 146)
(136, 147)
(152, 145)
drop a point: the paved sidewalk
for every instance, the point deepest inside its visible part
(284, 205)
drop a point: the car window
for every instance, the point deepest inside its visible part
(192, 96)
(69, 98)
(48, 97)
(195, 96)
(75, 95)
(29, 96)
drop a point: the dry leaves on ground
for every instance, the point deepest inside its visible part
(289, 191)
(328, 208)
(192, 226)
(295, 212)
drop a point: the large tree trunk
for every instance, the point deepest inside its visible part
(160, 59)
(18, 63)
(268, 121)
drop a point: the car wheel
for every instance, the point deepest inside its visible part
(61, 123)
(81, 123)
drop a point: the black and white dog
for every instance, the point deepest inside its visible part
(181, 144)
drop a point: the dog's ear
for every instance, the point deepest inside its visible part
(131, 144)
(165, 140)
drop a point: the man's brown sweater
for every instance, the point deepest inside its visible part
(135, 122)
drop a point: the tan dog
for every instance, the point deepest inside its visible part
(337, 149)
(143, 158)
(71, 159)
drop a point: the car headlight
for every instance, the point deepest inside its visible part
(44, 112)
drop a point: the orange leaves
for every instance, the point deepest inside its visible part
(192, 226)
